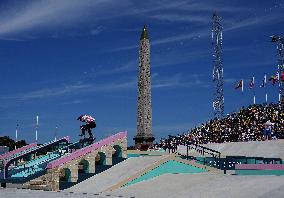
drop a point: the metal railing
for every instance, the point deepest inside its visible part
(226, 163)
(216, 155)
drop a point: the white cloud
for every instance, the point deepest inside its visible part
(41, 14)
(129, 66)
(182, 37)
(251, 22)
(179, 80)
(181, 18)
(175, 38)
(49, 92)
(37, 16)
(72, 89)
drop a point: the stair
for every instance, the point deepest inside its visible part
(39, 183)
(36, 182)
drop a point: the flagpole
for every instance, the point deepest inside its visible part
(265, 89)
(17, 133)
(36, 126)
(56, 128)
(279, 84)
(16, 136)
(253, 90)
(242, 87)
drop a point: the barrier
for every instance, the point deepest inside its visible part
(259, 166)
(259, 169)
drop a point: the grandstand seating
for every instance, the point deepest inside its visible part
(245, 125)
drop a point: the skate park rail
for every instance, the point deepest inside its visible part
(16, 151)
(20, 155)
(78, 153)
(38, 165)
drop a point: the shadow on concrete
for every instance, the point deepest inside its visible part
(83, 176)
(65, 184)
(117, 160)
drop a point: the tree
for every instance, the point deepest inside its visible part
(7, 141)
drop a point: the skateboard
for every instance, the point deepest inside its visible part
(86, 141)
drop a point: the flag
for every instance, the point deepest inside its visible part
(263, 81)
(240, 85)
(251, 83)
(273, 79)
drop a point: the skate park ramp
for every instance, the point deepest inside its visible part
(269, 148)
(114, 175)
(205, 185)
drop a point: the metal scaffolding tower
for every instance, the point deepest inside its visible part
(279, 40)
(218, 77)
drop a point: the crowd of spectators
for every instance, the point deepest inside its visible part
(246, 125)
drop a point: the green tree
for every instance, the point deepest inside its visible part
(7, 141)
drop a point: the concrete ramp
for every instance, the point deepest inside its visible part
(114, 175)
(205, 185)
(269, 148)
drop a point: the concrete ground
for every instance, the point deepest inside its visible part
(202, 185)
(22, 193)
(205, 185)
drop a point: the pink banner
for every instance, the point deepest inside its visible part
(259, 166)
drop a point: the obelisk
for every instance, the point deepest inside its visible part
(144, 133)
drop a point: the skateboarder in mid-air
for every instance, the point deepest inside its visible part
(90, 124)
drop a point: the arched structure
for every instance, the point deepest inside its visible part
(101, 158)
(85, 159)
(83, 166)
(65, 175)
(117, 152)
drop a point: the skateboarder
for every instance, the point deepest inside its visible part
(90, 124)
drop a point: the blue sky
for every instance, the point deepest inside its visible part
(63, 58)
